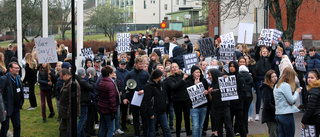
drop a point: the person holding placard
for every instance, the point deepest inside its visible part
(312, 113)
(285, 98)
(198, 114)
(181, 102)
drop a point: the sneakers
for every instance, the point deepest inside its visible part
(31, 108)
(51, 115)
(257, 117)
(118, 131)
(96, 126)
(250, 119)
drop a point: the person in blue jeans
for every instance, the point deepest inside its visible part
(155, 100)
(285, 97)
(198, 113)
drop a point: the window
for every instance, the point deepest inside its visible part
(145, 4)
(165, 6)
(184, 2)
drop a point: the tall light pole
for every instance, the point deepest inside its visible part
(19, 30)
(44, 18)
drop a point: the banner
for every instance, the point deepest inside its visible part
(299, 63)
(123, 40)
(276, 35)
(228, 88)
(309, 131)
(196, 94)
(297, 46)
(87, 53)
(161, 50)
(266, 37)
(46, 50)
(245, 33)
(206, 47)
(171, 46)
(190, 60)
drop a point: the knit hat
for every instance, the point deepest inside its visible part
(186, 36)
(161, 42)
(156, 38)
(91, 70)
(156, 74)
(81, 71)
(66, 65)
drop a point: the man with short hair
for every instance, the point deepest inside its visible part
(276, 61)
(188, 43)
(167, 43)
(137, 44)
(12, 94)
(97, 65)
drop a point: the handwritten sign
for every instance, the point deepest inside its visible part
(245, 33)
(299, 63)
(297, 47)
(189, 61)
(228, 88)
(309, 131)
(161, 50)
(266, 37)
(123, 40)
(206, 47)
(276, 35)
(46, 50)
(227, 47)
(196, 94)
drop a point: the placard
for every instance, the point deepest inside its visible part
(46, 50)
(161, 50)
(171, 46)
(137, 99)
(123, 40)
(26, 92)
(266, 37)
(276, 35)
(228, 88)
(196, 94)
(227, 47)
(308, 131)
(297, 47)
(206, 47)
(299, 63)
(227, 38)
(245, 33)
(190, 60)
(208, 68)
(87, 53)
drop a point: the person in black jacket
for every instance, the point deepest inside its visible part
(154, 44)
(188, 43)
(86, 87)
(312, 114)
(177, 53)
(46, 80)
(198, 113)
(220, 110)
(156, 101)
(31, 78)
(181, 102)
(8, 54)
(251, 64)
(62, 52)
(269, 110)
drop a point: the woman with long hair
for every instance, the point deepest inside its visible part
(46, 80)
(62, 52)
(268, 112)
(285, 97)
(312, 114)
(3, 69)
(31, 78)
(154, 59)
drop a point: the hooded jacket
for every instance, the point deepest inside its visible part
(177, 53)
(141, 77)
(244, 72)
(241, 85)
(269, 110)
(313, 102)
(43, 80)
(314, 62)
(178, 87)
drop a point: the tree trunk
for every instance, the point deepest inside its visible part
(63, 33)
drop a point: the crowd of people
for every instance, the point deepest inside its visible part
(103, 93)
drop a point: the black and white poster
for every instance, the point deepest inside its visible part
(227, 38)
(266, 37)
(87, 53)
(228, 88)
(226, 68)
(299, 63)
(208, 68)
(309, 131)
(196, 94)
(190, 60)
(161, 50)
(297, 47)
(123, 40)
(276, 35)
(206, 47)
(26, 92)
(227, 47)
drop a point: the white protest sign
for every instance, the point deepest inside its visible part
(46, 50)
(161, 50)
(137, 99)
(308, 131)
(26, 92)
(228, 88)
(227, 47)
(171, 46)
(297, 46)
(226, 68)
(276, 35)
(190, 60)
(266, 37)
(206, 47)
(245, 33)
(123, 40)
(87, 53)
(227, 38)
(208, 68)
(299, 63)
(196, 94)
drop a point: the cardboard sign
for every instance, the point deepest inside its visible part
(228, 88)
(297, 46)
(299, 63)
(190, 60)
(266, 37)
(123, 40)
(196, 94)
(206, 47)
(171, 46)
(227, 38)
(226, 68)
(87, 53)
(46, 50)
(276, 35)
(309, 131)
(161, 50)
(245, 33)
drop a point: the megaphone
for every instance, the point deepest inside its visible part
(131, 84)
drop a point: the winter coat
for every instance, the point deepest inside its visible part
(65, 100)
(137, 45)
(263, 63)
(244, 72)
(241, 86)
(217, 103)
(238, 53)
(130, 64)
(167, 46)
(285, 99)
(63, 55)
(269, 110)
(178, 87)
(58, 86)
(121, 76)
(108, 97)
(252, 70)
(153, 45)
(31, 75)
(43, 80)
(8, 54)
(86, 88)
(155, 98)
(314, 62)
(275, 65)
(313, 102)
(141, 77)
(189, 46)
(177, 53)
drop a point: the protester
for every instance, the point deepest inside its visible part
(285, 97)
(177, 53)
(31, 78)
(276, 61)
(11, 90)
(62, 52)
(8, 54)
(188, 44)
(268, 112)
(154, 59)
(154, 44)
